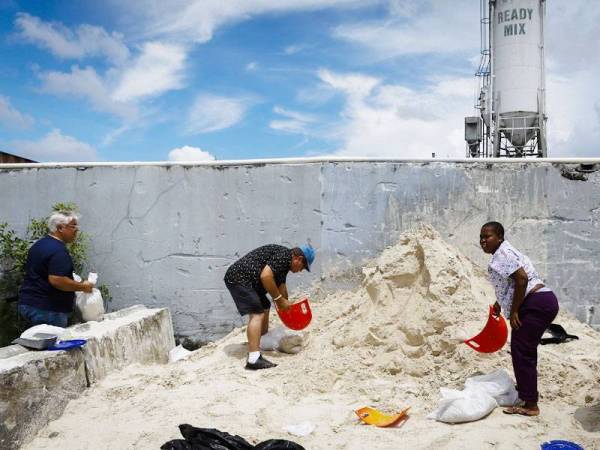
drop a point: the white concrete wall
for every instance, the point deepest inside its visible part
(164, 234)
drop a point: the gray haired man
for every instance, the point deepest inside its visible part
(47, 295)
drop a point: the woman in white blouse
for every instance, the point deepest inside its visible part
(527, 302)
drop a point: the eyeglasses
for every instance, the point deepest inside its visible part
(74, 227)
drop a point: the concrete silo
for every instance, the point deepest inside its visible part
(511, 102)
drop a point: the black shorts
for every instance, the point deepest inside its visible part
(247, 300)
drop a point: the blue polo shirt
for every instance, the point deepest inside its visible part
(48, 256)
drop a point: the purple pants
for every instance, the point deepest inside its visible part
(536, 313)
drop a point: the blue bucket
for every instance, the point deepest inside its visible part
(561, 445)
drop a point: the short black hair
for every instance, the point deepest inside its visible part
(497, 227)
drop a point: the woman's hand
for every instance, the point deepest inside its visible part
(515, 322)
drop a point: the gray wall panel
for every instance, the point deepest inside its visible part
(163, 235)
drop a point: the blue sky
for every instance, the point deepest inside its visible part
(154, 80)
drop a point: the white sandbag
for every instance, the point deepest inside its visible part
(178, 353)
(463, 406)
(498, 384)
(90, 306)
(290, 343)
(270, 340)
(43, 328)
(282, 340)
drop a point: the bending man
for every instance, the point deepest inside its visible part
(264, 270)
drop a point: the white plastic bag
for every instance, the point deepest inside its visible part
(90, 306)
(282, 340)
(178, 353)
(463, 406)
(301, 429)
(43, 328)
(498, 384)
(481, 395)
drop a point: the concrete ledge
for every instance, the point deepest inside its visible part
(132, 335)
(35, 386)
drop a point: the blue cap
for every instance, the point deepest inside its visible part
(309, 255)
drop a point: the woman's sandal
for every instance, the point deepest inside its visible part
(521, 411)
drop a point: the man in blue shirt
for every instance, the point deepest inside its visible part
(47, 295)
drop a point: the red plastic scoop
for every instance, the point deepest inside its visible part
(493, 336)
(298, 316)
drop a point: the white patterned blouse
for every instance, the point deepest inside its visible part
(506, 261)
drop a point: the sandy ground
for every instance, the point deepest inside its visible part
(389, 344)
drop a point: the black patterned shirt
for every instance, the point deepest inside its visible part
(246, 270)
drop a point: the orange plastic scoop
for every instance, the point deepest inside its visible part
(493, 336)
(371, 416)
(298, 316)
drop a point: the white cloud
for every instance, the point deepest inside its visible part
(197, 20)
(212, 113)
(572, 36)
(187, 153)
(353, 85)
(85, 41)
(294, 121)
(86, 83)
(292, 49)
(404, 8)
(156, 70)
(573, 115)
(11, 117)
(55, 147)
(572, 74)
(251, 66)
(396, 121)
(440, 27)
(301, 117)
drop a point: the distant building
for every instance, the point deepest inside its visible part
(8, 158)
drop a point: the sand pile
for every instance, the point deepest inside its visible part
(390, 343)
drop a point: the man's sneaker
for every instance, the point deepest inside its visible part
(261, 363)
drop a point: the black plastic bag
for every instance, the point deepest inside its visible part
(559, 335)
(278, 444)
(176, 444)
(213, 439)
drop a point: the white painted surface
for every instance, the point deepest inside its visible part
(164, 234)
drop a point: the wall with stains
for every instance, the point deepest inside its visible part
(164, 234)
